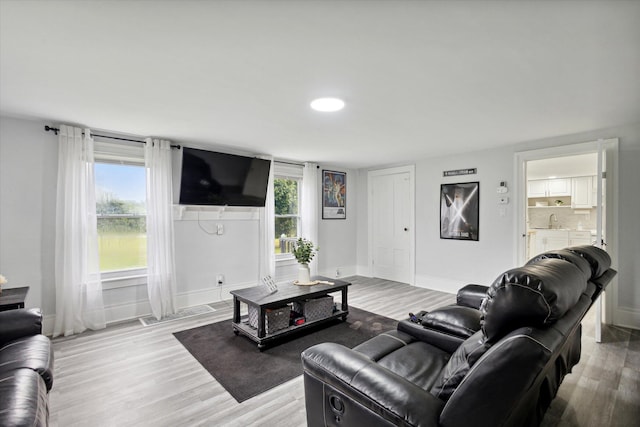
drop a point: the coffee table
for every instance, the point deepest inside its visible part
(261, 299)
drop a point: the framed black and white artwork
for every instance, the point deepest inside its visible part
(460, 211)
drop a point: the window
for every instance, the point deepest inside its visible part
(121, 211)
(120, 180)
(287, 186)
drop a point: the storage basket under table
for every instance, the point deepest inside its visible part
(315, 309)
(275, 319)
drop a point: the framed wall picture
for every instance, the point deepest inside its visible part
(460, 211)
(334, 195)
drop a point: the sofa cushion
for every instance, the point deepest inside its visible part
(453, 319)
(23, 399)
(418, 362)
(534, 295)
(566, 255)
(599, 260)
(459, 365)
(34, 352)
(381, 345)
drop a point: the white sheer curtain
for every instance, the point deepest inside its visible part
(161, 281)
(267, 223)
(309, 209)
(79, 303)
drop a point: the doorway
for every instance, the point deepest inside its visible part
(391, 224)
(556, 193)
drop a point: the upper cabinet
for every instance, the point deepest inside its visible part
(549, 187)
(582, 192)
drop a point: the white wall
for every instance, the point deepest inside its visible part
(449, 264)
(28, 174)
(337, 237)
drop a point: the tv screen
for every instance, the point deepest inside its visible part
(211, 178)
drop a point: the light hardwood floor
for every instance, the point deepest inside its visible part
(130, 375)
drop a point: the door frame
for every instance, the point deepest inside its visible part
(412, 218)
(610, 147)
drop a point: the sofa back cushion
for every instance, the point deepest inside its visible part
(599, 260)
(533, 295)
(566, 255)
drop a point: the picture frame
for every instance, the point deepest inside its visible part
(334, 195)
(460, 211)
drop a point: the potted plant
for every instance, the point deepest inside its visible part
(304, 251)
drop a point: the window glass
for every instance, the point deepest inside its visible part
(287, 220)
(121, 210)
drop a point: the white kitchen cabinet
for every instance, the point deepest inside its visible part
(559, 187)
(577, 237)
(582, 192)
(549, 187)
(537, 188)
(547, 240)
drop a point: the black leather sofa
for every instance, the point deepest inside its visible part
(26, 369)
(496, 358)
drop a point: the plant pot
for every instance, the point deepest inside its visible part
(304, 275)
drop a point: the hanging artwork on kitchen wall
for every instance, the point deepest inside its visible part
(334, 195)
(459, 211)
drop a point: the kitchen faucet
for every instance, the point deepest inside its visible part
(552, 218)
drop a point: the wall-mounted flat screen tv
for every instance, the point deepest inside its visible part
(211, 178)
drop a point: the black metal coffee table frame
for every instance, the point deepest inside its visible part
(259, 297)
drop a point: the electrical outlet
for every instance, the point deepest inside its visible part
(220, 279)
(337, 272)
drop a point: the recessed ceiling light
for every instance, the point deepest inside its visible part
(327, 104)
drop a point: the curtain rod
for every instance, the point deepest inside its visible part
(293, 163)
(56, 130)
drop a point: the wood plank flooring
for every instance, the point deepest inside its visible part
(129, 375)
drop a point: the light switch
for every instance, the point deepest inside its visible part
(220, 228)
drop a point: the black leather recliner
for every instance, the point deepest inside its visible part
(446, 374)
(26, 369)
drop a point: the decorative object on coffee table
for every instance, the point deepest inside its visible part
(3, 280)
(304, 251)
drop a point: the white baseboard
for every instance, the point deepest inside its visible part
(345, 271)
(627, 317)
(363, 270)
(130, 311)
(441, 284)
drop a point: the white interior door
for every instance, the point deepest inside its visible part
(391, 220)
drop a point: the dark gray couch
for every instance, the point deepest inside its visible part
(496, 364)
(26, 369)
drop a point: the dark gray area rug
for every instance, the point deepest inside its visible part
(244, 371)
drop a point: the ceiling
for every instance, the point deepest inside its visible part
(563, 167)
(419, 78)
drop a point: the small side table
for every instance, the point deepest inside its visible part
(13, 298)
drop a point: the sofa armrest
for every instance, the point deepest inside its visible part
(471, 295)
(19, 323)
(361, 381)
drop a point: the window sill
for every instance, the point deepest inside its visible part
(286, 260)
(124, 278)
